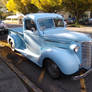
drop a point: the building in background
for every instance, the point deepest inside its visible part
(14, 19)
(67, 14)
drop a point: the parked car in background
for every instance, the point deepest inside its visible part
(2, 25)
(70, 20)
(3, 29)
(90, 21)
(85, 21)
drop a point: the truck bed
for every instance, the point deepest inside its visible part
(18, 30)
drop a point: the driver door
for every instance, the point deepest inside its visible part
(32, 39)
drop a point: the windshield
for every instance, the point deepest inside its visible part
(50, 23)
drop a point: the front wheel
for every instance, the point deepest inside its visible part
(52, 69)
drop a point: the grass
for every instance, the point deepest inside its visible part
(77, 25)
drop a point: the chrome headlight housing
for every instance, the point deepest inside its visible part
(74, 47)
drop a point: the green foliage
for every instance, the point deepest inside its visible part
(76, 7)
(90, 1)
(3, 11)
(48, 5)
(21, 6)
(11, 5)
(75, 25)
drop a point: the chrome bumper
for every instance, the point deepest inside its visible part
(82, 75)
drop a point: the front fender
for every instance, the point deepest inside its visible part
(67, 60)
(19, 43)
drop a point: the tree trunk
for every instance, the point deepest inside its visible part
(91, 13)
(76, 13)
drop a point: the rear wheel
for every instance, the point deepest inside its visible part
(52, 69)
(12, 45)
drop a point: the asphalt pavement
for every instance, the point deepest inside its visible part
(9, 82)
(81, 29)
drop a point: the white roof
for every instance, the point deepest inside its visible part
(43, 15)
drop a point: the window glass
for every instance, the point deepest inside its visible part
(50, 23)
(46, 23)
(59, 23)
(30, 25)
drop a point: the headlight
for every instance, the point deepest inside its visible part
(74, 47)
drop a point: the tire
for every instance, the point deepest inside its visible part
(52, 69)
(12, 45)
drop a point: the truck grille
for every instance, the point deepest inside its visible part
(86, 54)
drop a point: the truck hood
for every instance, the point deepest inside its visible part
(66, 36)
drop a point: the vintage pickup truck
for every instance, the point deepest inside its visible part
(45, 41)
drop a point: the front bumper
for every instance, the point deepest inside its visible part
(82, 75)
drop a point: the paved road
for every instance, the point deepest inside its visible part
(49, 85)
(9, 82)
(82, 29)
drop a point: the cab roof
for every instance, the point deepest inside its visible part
(35, 16)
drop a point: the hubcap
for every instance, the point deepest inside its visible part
(12, 45)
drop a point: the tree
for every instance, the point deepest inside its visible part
(11, 5)
(90, 1)
(4, 1)
(22, 6)
(48, 5)
(3, 10)
(76, 7)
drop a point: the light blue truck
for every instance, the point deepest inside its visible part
(44, 40)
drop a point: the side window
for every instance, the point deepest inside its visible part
(59, 23)
(30, 25)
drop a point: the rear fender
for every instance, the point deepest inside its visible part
(66, 60)
(19, 43)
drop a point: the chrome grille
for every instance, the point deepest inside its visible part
(86, 54)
